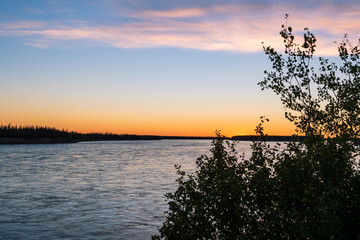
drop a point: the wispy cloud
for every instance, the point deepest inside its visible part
(21, 25)
(200, 35)
(39, 43)
(238, 28)
(174, 13)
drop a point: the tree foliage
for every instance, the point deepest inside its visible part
(325, 100)
(308, 189)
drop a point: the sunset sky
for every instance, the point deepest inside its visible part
(159, 67)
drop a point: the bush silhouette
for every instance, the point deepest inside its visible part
(308, 190)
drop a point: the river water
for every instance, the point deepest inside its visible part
(91, 190)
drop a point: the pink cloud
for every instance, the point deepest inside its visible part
(39, 44)
(239, 28)
(18, 25)
(175, 13)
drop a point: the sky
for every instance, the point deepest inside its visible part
(154, 67)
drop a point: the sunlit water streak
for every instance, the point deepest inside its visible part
(93, 190)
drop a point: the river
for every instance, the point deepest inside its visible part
(91, 190)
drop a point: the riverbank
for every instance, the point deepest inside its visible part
(35, 141)
(17, 140)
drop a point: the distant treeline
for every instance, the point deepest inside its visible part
(13, 134)
(39, 134)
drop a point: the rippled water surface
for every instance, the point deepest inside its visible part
(94, 190)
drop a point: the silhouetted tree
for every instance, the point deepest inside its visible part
(308, 190)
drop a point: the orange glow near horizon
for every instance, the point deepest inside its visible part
(171, 130)
(186, 118)
(164, 126)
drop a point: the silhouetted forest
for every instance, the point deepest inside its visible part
(13, 134)
(38, 134)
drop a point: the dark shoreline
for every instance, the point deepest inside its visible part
(268, 138)
(11, 141)
(19, 140)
